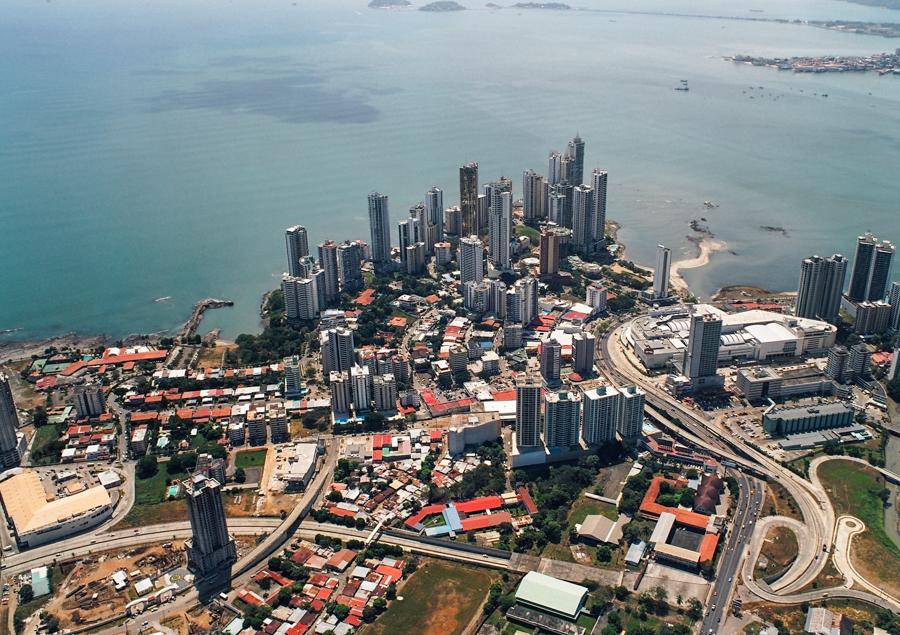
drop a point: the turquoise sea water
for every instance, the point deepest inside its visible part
(159, 148)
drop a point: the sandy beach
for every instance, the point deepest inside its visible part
(706, 248)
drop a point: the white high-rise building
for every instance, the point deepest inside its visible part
(562, 419)
(331, 281)
(582, 219)
(434, 215)
(661, 273)
(528, 411)
(529, 290)
(601, 415)
(336, 349)
(554, 168)
(533, 196)
(410, 231)
(631, 413)
(293, 383)
(301, 298)
(595, 296)
(471, 260)
(598, 184)
(89, 401)
(379, 226)
(361, 383)
(820, 287)
(9, 426)
(341, 393)
(499, 228)
(384, 389)
(297, 245)
(702, 354)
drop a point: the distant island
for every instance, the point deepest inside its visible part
(491, 5)
(388, 4)
(443, 5)
(557, 6)
(887, 4)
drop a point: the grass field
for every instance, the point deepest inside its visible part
(439, 599)
(524, 230)
(150, 506)
(853, 489)
(250, 458)
(780, 549)
(44, 436)
(585, 506)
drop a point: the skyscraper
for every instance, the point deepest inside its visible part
(554, 168)
(558, 208)
(702, 353)
(349, 260)
(533, 196)
(384, 392)
(434, 215)
(871, 269)
(336, 350)
(89, 401)
(529, 291)
(894, 301)
(582, 220)
(379, 226)
(297, 247)
(528, 411)
(341, 393)
(575, 151)
(583, 347)
(499, 230)
(601, 415)
(409, 232)
(549, 250)
(453, 220)
(661, 273)
(468, 197)
(361, 385)
(838, 362)
(631, 413)
(471, 260)
(598, 183)
(551, 356)
(210, 549)
(301, 298)
(562, 419)
(820, 287)
(9, 425)
(292, 380)
(331, 286)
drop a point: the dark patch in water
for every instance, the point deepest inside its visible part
(294, 98)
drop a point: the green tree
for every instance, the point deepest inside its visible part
(26, 594)
(146, 467)
(240, 475)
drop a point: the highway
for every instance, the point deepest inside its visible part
(746, 513)
(816, 509)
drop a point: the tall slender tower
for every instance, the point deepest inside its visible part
(468, 197)
(533, 196)
(297, 245)
(582, 218)
(528, 411)
(601, 415)
(562, 419)
(554, 168)
(661, 273)
(349, 260)
(551, 357)
(894, 301)
(820, 287)
(871, 269)
(549, 251)
(9, 425)
(499, 229)
(434, 215)
(702, 353)
(379, 226)
(598, 183)
(584, 345)
(631, 413)
(210, 550)
(471, 260)
(331, 283)
(575, 151)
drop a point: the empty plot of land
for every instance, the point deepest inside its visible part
(439, 599)
(856, 490)
(779, 549)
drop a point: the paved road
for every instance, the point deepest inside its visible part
(747, 511)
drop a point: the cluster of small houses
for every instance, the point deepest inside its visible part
(338, 577)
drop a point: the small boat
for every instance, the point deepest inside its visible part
(683, 86)
(165, 298)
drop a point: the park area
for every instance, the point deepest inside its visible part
(859, 491)
(439, 599)
(151, 506)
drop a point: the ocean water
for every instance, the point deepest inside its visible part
(160, 148)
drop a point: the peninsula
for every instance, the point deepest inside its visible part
(442, 6)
